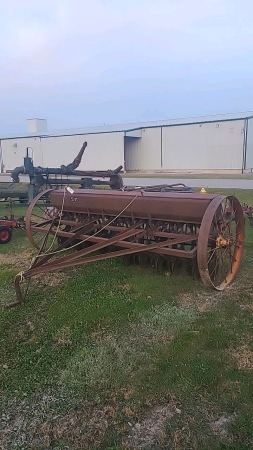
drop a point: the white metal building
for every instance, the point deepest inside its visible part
(212, 143)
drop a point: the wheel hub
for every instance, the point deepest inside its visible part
(222, 242)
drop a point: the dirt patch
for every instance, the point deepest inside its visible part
(246, 307)
(244, 357)
(234, 292)
(243, 282)
(89, 431)
(149, 432)
(37, 425)
(219, 426)
(199, 302)
(51, 279)
(22, 261)
(208, 300)
(19, 261)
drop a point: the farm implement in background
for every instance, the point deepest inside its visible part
(6, 227)
(248, 211)
(42, 178)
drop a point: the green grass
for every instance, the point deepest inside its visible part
(108, 357)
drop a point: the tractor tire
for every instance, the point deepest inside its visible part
(5, 234)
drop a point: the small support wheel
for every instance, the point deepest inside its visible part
(5, 234)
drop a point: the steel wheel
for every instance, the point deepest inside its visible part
(220, 242)
(38, 215)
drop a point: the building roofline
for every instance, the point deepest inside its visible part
(123, 128)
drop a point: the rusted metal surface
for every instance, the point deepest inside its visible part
(220, 242)
(157, 228)
(178, 207)
(12, 223)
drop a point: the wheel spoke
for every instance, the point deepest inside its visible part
(222, 234)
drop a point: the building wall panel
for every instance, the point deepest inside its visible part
(249, 151)
(1, 158)
(133, 153)
(144, 153)
(151, 149)
(206, 146)
(14, 150)
(104, 151)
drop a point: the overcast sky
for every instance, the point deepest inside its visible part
(79, 63)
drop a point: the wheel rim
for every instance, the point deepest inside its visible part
(220, 242)
(4, 235)
(36, 217)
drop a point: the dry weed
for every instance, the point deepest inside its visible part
(51, 279)
(244, 357)
(199, 302)
(36, 426)
(19, 261)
